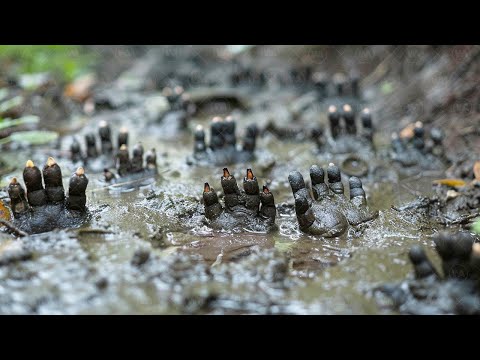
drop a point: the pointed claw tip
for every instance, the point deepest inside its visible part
(206, 188)
(80, 171)
(102, 124)
(226, 173)
(29, 164)
(476, 249)
(13, 181)
(332, 109)
(266, 190)
(123, 147)
(51, 161)
(347, 108)
(250, 175)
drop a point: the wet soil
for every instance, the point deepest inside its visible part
(148, 249)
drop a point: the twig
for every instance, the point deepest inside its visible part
(13, 228)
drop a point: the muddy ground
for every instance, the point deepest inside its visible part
(147, 249)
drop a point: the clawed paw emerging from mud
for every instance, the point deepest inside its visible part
(223, 147)
(346, 136)
(327, 212)
(127, 168)
(457, 291)
(413, 148)
(248, 209)
(41, 209)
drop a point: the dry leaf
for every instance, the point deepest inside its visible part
(450, 182)
(79, 89)
(476, 170)
(4, 212)
(407, 131)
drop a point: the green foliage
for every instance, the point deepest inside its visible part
(476, 227)
(66, 61)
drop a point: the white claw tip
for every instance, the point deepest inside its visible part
(123, 130)
(217, 119)
(102, 124)
(331, 164)
(80, 171)
(332, 109)
(123, 147)
(418, 124)
(51, 161)
(366, 111)
(476, 249)
(199, 128)
(347, 108)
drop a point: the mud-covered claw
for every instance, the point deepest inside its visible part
(77, 198)
(32, 177)
(422, 265)
(213, 209)
(268, 210)
(317, 177)
(18, 200)
(105, 137)
(52, 176)
(335, 179)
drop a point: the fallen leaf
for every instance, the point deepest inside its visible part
(80, 88)
(476, 170)
(450, 182)
(407, 131)
(4, 212)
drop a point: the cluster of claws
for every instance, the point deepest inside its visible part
(343, 126)
(223, 147)
(327, 211)
(454, 291)
(42, 208)
(121, 159)
(417, 147)
(340, 83)
(248, 207)
(460, 258)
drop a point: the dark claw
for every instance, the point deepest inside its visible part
(319, 188)
(123, 161)
(268, 210)
(122, 137)
(91, 145)
(339, 80)
(137, 159)
(105, 138)
(356, 190)
(298, 184)
(422, 265)
(216, 133)
(52, 176)
(213, 209)
(349, 117)
(199, 140)
(18, 200)
(151, 160)
(77, 198)
(230, 189)
(419, 136)
(250, 186)
(455, 252)
(250, 139)
(334, 120)
(75, 150)
(32, 177)
(229, 128)
(335, 179)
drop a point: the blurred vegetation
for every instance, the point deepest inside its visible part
(65, 61)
